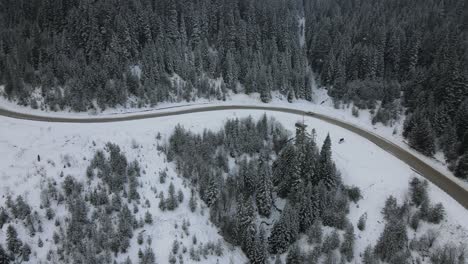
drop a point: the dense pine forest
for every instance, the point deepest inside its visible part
(386, 56)
(399, 53)
(80, 51)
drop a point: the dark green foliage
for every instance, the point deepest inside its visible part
(193, 202)
(435, 214)
(420, 134)
(307, 207)
(315, 233)
(148, 218)
(418, 191)
(326, 168)
(238, 197)
(331, 242)
(283, 168)
(369, 257)
(4, 258)
(448, 254)
(392, 241)
(361, 225)
(3, 217)
(334, 206)
(347, 247)
(354, 193)
(391, 209)
(284, 231)
(414, 221)
(25, 252)
(462, 167)
(19, 208)
(14, 244)
(294, 255)
(143, 45)
(171, 201)
(365, 58)
(264, 189)
(148, 257)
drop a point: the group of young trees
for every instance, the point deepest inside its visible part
(16, 250)
(97, 222)
(242, 199)
(395, 244)
(409, 53)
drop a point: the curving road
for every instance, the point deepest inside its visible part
(458, 192)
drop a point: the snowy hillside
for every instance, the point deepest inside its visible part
(68, 148)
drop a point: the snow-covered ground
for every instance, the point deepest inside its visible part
(362, 163)
(321, 103)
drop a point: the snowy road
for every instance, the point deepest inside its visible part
(458, 192)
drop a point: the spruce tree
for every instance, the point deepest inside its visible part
(326, 168)
(347, 247)
(422, 137)
(418, 191)
(462, 167)
(392, 241)
(263, 194)
(283, 168)
(284, 231)
(13, 242)
(294, 255)
(307, 212)
(4, 258)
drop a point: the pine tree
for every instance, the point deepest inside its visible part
(13, 242)
(212, 192)
(25, 252)
(462, 167)
(3, 217)
(148, 257)
(245, 216)
(315, 232)
(418, 191)
(172, 21)
(285, 231)
(368, 256)
(347, 247)
(261, 253)
(4, 258)
(391, 209)
(326, 168)
(283, 168)
(171, 202)
(193, 201)
(294, 255)
(249, 242)
(307, 208)
(125, 222)
(263, 195)
(421, 136)
(278, 241)
(362, 222)
(392, 241)
(148, 218)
